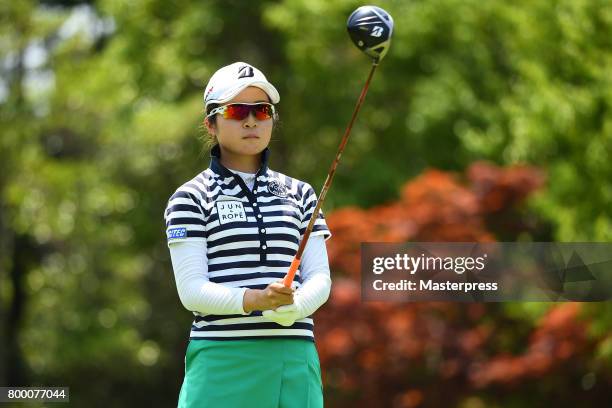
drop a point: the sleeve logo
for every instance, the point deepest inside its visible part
(176, 233)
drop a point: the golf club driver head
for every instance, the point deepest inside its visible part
(370, 28)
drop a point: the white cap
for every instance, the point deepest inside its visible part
(230, 80)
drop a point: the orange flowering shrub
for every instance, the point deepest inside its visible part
(433, 354)
(436, 206)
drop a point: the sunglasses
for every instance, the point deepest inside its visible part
(240, 111)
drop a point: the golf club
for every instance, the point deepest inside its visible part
(370, 28)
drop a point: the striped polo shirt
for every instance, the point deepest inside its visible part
(251, 235)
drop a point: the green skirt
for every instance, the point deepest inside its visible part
(266, 373)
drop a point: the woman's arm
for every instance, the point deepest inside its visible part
(195, 290)
(198, 294)
(316, 281)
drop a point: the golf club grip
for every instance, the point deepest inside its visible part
(288, 279)
(330, 176)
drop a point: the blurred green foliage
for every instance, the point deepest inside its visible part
(100, 106)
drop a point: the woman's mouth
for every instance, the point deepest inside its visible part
(251, 136)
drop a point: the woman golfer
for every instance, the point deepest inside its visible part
(232, 232)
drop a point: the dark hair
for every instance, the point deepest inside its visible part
(213, 119)
(209, 139)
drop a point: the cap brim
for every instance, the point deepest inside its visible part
(267, 87)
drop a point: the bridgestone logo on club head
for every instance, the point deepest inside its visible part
(370, 28)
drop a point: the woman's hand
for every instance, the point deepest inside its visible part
(286, 315)
(273, 296)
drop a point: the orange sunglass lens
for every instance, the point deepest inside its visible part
(240, 111)
(263, 112)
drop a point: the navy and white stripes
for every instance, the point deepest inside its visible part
(251, 236)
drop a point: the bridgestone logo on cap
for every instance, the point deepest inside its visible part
(245, 71)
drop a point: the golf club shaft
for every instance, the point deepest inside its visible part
(330, 176)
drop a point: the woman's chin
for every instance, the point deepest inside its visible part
(251, 146)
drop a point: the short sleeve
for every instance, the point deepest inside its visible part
(309, 202)
(184, 216)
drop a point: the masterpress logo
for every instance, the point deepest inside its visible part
(486, 272)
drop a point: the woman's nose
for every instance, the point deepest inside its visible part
(250, 121)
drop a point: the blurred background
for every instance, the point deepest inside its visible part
(487, 121)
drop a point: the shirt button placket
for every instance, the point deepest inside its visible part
(262, 230)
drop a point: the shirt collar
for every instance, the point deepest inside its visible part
(217, 167)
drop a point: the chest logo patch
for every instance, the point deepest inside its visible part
(277, 188)
(230, 211)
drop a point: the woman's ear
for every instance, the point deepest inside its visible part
(210, 127)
